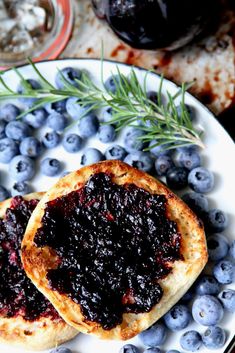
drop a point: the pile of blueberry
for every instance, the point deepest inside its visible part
(61, 350)
(180, 168)
(20, 147)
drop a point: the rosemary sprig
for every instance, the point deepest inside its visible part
(130, 105)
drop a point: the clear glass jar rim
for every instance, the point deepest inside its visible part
(57, 39)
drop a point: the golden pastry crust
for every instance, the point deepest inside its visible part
(39, 334)
(37, 261)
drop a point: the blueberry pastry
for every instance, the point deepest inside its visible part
(27, 318)
(113, 249)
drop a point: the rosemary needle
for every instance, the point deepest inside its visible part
(130, 105)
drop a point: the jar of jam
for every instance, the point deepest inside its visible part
(157, 24)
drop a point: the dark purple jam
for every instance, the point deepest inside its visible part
(18, 296)
(114, 244)
(154, 24)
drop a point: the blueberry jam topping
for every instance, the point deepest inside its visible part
(18, 296)
(114, 243)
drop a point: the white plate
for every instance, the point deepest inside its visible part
(218, 157)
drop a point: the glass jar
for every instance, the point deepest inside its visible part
(157, 24)
(38, 29)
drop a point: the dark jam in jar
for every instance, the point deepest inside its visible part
(114, 244)
(18, 296)
(154, 24)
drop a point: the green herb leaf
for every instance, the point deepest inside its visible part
(130, 105)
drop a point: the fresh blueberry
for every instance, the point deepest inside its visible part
(51, 139)
(72, 143)
(2, 129)
(61, 350)
(189, 159)
(217, 245)
(68, 74)
(50, 166)
(90, 156)
(9, 112)
(129, 348)
(146, 122)
(187, 297)
(158, 150)
(75, 109)
(189, 109)
(112, 83)
(139, 160)
(214, 337)
(197, 202)
(106, 133)
(224, 272)
(162, 164)
(177, 318)
(152, 350)
(232, 250)
(191, 341)
(107, 114)
(207, 285)
(88, 126)
(35, 85)
(187, 148)
(36, 118)
(201, 180)
(20, 188)
(8, 149)
(56, 121)
(58, 107)
(30, 147)
(153, 97)
(17, 130)
(153, 336)
(132, 140)
(22, 168)
(177, 178)
(207, 310)
(172, 351)
(4, 193)
(115, 152)
(227, 298)
(216, 220)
